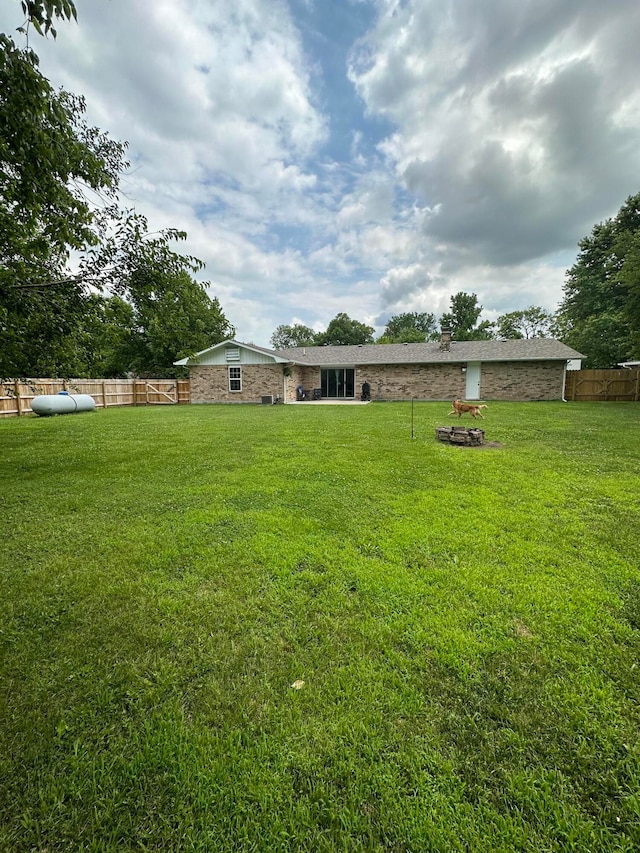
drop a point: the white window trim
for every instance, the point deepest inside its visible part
(235, 378)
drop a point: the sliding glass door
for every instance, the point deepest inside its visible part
(338, 382)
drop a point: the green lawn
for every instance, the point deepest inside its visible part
(466, 623)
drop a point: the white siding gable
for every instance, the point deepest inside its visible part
(232, 355)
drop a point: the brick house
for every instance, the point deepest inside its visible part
(235, 372)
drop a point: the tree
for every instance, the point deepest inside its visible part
(630, 279)
(600, 311)
(532, 322)
(410, 327)
(49, 160)
(462, 320)
(173, 318)
(104, 343)
(59, 193)
(603, 339)
(342, 330)
(293, 336)
(169, 317)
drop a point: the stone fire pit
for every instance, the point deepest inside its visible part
(467, 436)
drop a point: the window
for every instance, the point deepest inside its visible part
(235, 379)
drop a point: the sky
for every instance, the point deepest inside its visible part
(371, 157)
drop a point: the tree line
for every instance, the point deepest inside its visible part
(87, 290)
(462, 320)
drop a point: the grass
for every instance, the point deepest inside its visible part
(466, 623)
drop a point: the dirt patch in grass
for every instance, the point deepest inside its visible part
(488, 445)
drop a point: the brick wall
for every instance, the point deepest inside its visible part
(499, 381)
(525, 380)
(210, 384)
(309, 378)
(403, 381)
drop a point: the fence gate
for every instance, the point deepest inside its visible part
(606, 385)
(161, 393)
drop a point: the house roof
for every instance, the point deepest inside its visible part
(532, 349)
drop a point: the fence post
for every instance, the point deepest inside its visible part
(104, 395)
(16, 388)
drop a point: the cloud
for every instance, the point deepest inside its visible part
(510, 124)
(202, 91)
(402, 283)
(371, 201)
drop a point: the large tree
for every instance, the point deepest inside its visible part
(50, 161)
(342, 330)
(600, 311)
(173, 317)
(630, 280)
(297, 335)
(531, 322)
(168, 317)
(463, 319)
(411, 327)
(104, 343)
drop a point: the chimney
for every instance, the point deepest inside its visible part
(445, 340)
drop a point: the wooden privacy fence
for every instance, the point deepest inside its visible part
(16, 396)
(607, 385)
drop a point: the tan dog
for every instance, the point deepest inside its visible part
(460, 408)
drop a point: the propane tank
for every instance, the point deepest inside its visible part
(62, 404)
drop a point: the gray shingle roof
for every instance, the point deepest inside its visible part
(533, 349)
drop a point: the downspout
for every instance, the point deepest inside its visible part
(564, 382)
